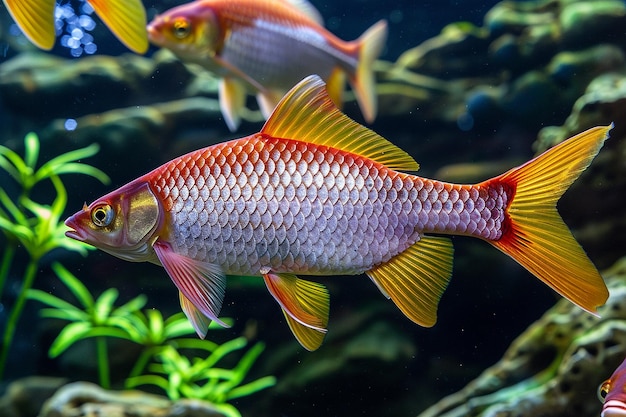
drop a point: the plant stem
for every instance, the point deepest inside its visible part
(16, 312)
(103, 362)
(7, 258)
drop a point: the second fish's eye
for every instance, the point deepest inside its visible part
(103, 215)
(182, 27)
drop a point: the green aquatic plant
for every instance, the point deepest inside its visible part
(31, 225)
(149, 329)
(200, 379)
(95, 317)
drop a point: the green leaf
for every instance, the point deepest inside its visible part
(223, 350)
(104, 305)
(252, 387)
(31, 142)
(77, 288)
(70, 334)
(11, 162)
(12, 209)
(78, 168)
(68, 315)
(133, 305)
(147, 380)
(63, 164)
(155, 320)
(51, 300)
(228, 410)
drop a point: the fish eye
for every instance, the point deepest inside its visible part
(102, 215)
(182, 28)
(603, 390)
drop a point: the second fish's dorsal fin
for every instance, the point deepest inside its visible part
(306, 113)
(307, 9)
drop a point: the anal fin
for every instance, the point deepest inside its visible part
(416, 278)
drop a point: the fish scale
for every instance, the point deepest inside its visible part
(310, 209)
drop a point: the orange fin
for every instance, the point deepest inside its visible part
(307, 113)
(416, 278)
(363, 82)
(201, 284)
(126, 19)
(536, 236)
(305, 305)
(232, 95)
(35, 19)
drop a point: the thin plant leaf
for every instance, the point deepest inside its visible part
(51, 300)
(13, 164)
(104, 305)
(77, 288)
(70, 334)
(31, 142)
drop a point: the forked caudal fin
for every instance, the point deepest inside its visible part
(534, 233)
(371, 44)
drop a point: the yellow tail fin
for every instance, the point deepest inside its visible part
(35, 19)
(371, 44)
(126, 19)
(535, 235)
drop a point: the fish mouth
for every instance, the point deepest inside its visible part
(154, 35)
(75, 231)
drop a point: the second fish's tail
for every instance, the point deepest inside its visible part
(370, 45)
(534, 233)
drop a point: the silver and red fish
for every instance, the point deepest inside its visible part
(125, 18)
(266, 47)
(315, 193)
(612, 392)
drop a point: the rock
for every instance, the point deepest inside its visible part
(25, 397)
(87, 399)
(553, 369)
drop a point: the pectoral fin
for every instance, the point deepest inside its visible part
(416, 278)
(305, 305)
(199, 321)
(201, 284)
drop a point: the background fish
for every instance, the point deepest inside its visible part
(613, 393)
(267, 46)
(125, 18)
(315, 193)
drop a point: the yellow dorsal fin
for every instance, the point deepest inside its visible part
(416, 278)
(307, 113)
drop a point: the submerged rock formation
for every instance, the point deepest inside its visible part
(554, 368)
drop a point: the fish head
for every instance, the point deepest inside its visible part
(612, 393)
(124, 223)
(187, 30)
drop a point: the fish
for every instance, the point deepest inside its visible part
(612, 393)
(266, 47)
(125, 18)
(316, 193)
